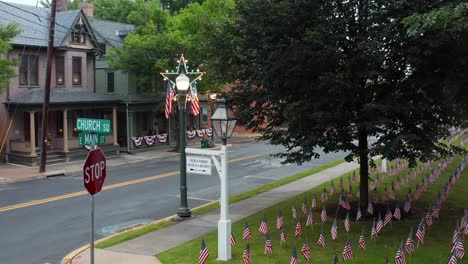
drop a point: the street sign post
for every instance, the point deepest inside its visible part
(93, 125)
(94, 174)
(90, 139)
(198, 165)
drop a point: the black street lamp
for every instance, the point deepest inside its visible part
(223, 120)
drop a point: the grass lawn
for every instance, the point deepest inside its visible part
(437, 242)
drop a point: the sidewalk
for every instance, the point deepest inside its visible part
(148, 245)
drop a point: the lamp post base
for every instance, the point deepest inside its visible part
(184, 212)
(224, 240)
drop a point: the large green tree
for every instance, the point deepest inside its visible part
(331, 74)
(7, 32)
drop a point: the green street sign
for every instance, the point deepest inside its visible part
(93, 125)
(89, 139)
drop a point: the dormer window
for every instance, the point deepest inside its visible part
(78, 35)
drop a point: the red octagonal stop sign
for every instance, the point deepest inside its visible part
(94, 171)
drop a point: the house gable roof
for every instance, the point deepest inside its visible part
(106, 31)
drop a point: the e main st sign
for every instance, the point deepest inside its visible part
(102, 126)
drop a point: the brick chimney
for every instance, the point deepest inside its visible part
(62, 5)
(88, 9)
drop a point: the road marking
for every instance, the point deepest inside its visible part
(108, 187)
(194, 198)
(259, 177)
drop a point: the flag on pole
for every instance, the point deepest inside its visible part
(310, 218)
(334, 230)
(324, 196)
(388, 217)
(453, 259)
(293, 257)
(194, 100)
(409, 245)
(283, 237)
(428, 218)
(358, 214)
(305, 250)
(247, 259)
(397, 212)
(204, 253)
(294, 212)
(314, 201)
(247, 233)
(304, 206)
(268, 245)
(407, 206)
(279, 220)
(347, 252)
(362, 242)
(233, 240)
(335, 260)
(380, 224)
(340, 184)
(170, 94)
(263, 226)
(344, 203)
(321, 239)
(347, 224)
(370, 208)
(298, 230)
(458, 249)
(386, 260)
(421, 232)
(456, 234)
(400, 255)
(373, 231)
(323, 215)
(332, 189)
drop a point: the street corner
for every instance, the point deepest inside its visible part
(107, 256)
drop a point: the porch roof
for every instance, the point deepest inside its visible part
(61, 96)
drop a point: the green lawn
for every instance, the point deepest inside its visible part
(438, 236)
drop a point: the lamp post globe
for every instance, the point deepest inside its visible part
(223, 120)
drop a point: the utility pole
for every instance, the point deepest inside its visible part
(45, 108)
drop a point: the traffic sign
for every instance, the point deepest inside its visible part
(93, 125)
(199, 165)
(94, 171)
(90, 139)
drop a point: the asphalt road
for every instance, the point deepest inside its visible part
(44, 233)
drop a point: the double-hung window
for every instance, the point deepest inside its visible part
(28, 70)
(76, 67)
(60, 70)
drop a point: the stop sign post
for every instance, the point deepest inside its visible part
(94, 174)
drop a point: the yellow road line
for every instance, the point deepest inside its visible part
(108, 187)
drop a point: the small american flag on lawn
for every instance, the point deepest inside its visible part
(283, 237)
(306, 250)
(347, 224)
(347, 252)
(279, 220)
(380, 224)
(344, 203)
(321, 239)
(263, 226)
(407, 206)
(233, 240)
(323, 215)
(453, 259)
(373, 231)
(388, 217)
(310, 218)
(349, 182)
(421, 232)
(334, 230)
(362, 241)
(340, 184)
(397, 212)
(332, 189)
(304, 206)
(268, 245)
(456, 234)
(298, 231)
(246, 258)
(293, 257)
(409, 245)
(204, 253)
(247, 233)
(324, 196)
(294, 212)
(370, 208)
(458, 249)
(335, 260)
(314, 201)
(428, 218)
(400, 255)
(358, 214)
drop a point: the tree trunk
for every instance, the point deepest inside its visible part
(364, 168)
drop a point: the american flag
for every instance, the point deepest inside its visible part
(169, 97)
(204, 253)
(314, 201)
(347, 223)
(347, 252)
(294, 212)
(324, 196)
(458, 249)
(380, 224)
(456, 234)
(263, 226)
(435, 210)
(332, 189)
(283, 237)
(350, 192)
(370, 208)
(349, 182)
(323, 215)
(334, 230)
(397, 212)
(358, 214)
(304, 206)
(388, 217)
(428, 218)
(298, 231)
(247, 233)
(410, 195)
(373, 231)
(453, 259)
(340, 184)
(246, 255)
(293, 257)
(391, 192)
(407, 206)
(195, 102)
(268, 245)
(321, 239)
(421, 232)
(233, 240)
(335, 260)
(400, 255)
(279, 220)
(409, 245)
(344, 203)
(305, 250)
(310, 218)
(373, 184)
(362, 242)
(354, 177)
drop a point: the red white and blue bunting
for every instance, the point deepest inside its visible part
(137, 141)
(162, 138)
(150, 140)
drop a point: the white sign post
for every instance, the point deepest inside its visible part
(224, 224)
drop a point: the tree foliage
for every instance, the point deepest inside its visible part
(7, 32)
(331, 74)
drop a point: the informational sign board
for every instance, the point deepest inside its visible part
(90, 139)
(199, 165)
(93, 125)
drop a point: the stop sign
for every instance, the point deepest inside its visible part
(94, 171)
